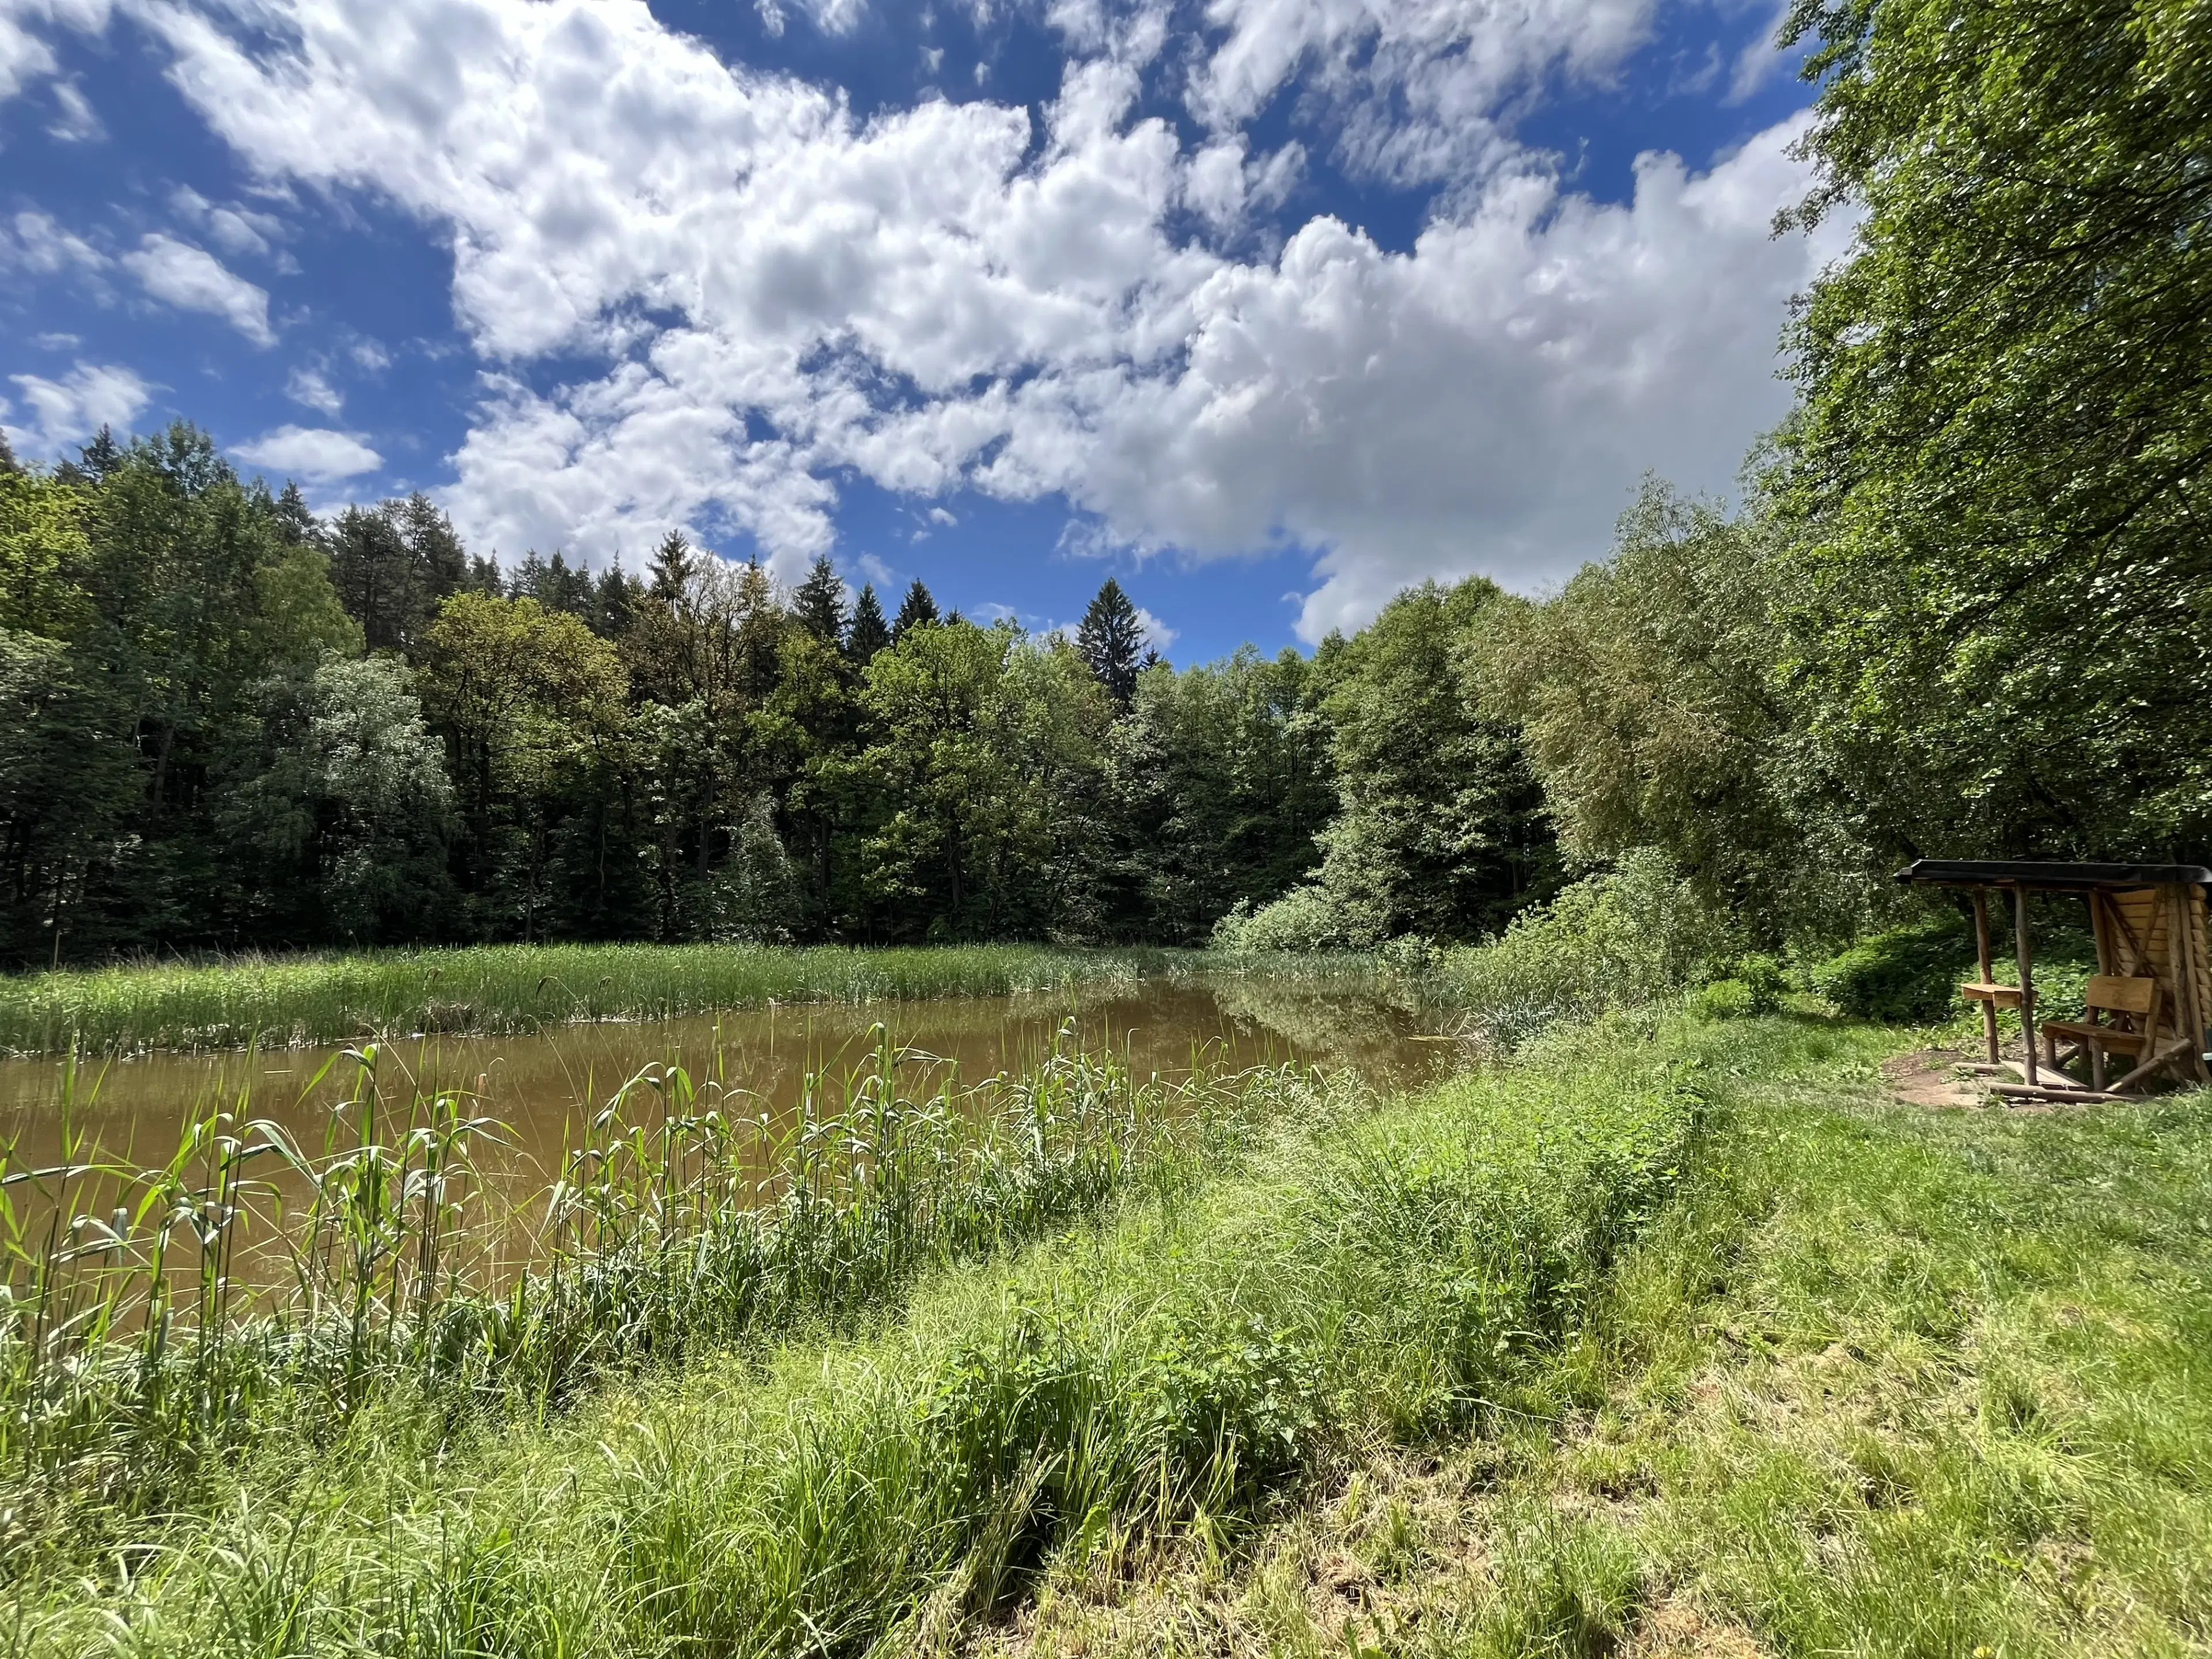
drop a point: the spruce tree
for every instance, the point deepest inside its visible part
(613, 601)
(673, 566)
(819, 604)
(870, 633)
(103, 454)
(1110, 641)
(917, 610)
(294, 523)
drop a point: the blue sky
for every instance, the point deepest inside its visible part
(1267, 307)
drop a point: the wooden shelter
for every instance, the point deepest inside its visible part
(2151, 1000)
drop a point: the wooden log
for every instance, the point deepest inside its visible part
(2056, 1097)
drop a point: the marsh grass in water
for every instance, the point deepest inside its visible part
(239, 1002)
(134, 1361)
(1174, 1375)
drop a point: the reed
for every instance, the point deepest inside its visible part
(1164, 1377)
(239, 1002)
(158, 1321)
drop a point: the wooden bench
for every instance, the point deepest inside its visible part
(2122, 1016)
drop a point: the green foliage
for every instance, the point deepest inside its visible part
(1909, 974)
(677, 1223)
(1651, 707)
(1166, 1374)
(1632, 937)
(237, 1003)
(1111, 642)
(1997, 470)
(1441, 829)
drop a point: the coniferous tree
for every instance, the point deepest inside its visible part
(8, 461)
(674, 565)
(1110, 640)
(295, 522)
(917, 610)
(103, 454)
(614, 601)
(869, 632)
(819, 604)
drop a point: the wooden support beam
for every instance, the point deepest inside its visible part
(2027, 979)
(1988, 967)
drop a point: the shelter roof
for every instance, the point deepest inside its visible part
(2036, 875)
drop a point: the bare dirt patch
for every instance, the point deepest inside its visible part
(1934, 1078)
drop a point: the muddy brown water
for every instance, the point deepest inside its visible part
(541, 1089)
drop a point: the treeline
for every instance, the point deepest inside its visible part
(230, 723)
(1965, 608)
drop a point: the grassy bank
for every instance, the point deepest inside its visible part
(1885, 1382)
(1666, 1339)
(1170, 1376)
(498, 989)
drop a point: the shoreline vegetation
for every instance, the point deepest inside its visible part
(280, 1000)
(1667, 1335)
(261, 1000)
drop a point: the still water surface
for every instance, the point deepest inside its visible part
(541, 1088)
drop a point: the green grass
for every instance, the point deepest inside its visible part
(1885, 1381)
(273, 1001)
(1168, 1376)
(134, 1367)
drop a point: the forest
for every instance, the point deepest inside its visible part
(1960, 606)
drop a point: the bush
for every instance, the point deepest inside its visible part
(1630, 936)
(1306, 919)
(1757, 986)
(1909, 974)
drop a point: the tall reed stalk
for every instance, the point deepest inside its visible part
(155, 1318)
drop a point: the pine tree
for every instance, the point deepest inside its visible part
(103, 454)
(673, 566)
(870, 633)
(295, 522)
(819, 604)
(1109, 641)
(8, 461)
(917, 610)
(613, 601)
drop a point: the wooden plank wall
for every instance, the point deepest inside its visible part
(2162, 932)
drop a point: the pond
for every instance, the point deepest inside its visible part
(542, 1089)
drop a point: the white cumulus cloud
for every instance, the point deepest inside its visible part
(315, 454)
(71, 409)
(192, 279)
(704, 293)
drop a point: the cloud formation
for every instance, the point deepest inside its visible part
(314, 453)
(192, 279)
(704, 294)
(70, 409)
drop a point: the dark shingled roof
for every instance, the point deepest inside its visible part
(2063, 878)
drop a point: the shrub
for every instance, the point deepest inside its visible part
(1625, 938)
(1306, 919)
(1909, 974)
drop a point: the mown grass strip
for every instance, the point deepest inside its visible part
(1173, 1374)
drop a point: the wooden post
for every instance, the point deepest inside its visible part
(1988, 969)
(2026, 981)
